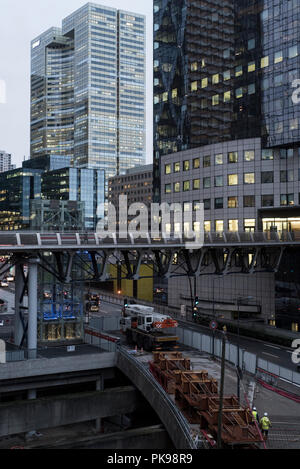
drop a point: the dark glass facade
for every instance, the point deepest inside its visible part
(82, 185)
(17, 188)
(224, 70)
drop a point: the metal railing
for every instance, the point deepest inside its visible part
(17, 240)
(181, 420)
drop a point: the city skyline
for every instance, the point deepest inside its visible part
(16, 72)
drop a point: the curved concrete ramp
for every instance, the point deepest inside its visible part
(173, 421)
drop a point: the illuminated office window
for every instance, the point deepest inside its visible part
(204, 82)
(215, 100)
(219, 159)
(249, 224)
(177, 167)
(216, 79)
(219, 226)
(264, 62)
(196, 163)
(227, 75)
(186, 186)
(233, 202)
(227, 96)
(249, 178)
(251, 67)
(196, 184)
(233, 179)
(186, 165)
(177, 187)
(239, 93)
(233, 225)
(278, 57)
(249, 155)
(207, 226)
(168, 169)
(238, 71)
(194, 86)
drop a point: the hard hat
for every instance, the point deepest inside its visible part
(254, 408)
(266, 414)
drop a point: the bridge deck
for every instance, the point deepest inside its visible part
(26, 241)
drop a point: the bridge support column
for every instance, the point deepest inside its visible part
(99, 387)
(19, 286)
(32, 308)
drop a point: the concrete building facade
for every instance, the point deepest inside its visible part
(243, 187)
(5, 162)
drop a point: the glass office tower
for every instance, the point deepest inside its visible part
(88, 90)
(224, 70)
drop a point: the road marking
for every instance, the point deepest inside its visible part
(272, 346)
(270, 355)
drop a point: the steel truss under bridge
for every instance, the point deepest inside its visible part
(62, 254)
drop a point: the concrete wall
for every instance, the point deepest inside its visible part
(39, 414)
(142, 438)
(155, 398)
(227, 289)
(45, 366)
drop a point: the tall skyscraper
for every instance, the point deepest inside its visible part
(223, 71)
(88, 90)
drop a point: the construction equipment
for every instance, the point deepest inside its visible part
(197, 395)
(148, 329)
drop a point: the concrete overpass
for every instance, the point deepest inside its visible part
(41, 413)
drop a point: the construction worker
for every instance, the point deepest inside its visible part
(265, 424)
(255, 414)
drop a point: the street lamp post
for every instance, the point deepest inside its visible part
(238, 303)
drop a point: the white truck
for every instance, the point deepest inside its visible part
(148, 329)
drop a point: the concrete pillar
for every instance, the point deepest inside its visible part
(99, 387)
(19, 285)
(31, 396)
(32, 307)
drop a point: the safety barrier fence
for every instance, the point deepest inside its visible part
(249, 362)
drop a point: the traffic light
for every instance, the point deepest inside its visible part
(125, 303)
(196, 302)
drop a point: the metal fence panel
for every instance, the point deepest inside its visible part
(180, 334)
(296, 378)
(218, 348)
(196, 340)
(206, 344)
(287, 374)
(274, 369)
(187, 337)
(249, 362)
(262, 364)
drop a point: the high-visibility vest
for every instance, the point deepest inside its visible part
(265, 423)
(254, 413)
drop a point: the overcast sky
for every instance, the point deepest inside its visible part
(22, 21)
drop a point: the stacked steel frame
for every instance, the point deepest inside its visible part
(197, 395)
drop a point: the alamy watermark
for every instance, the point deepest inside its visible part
(2, 92)
(2, 351)
(166, 221)
(296, 353)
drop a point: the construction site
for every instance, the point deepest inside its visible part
(197, 395)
